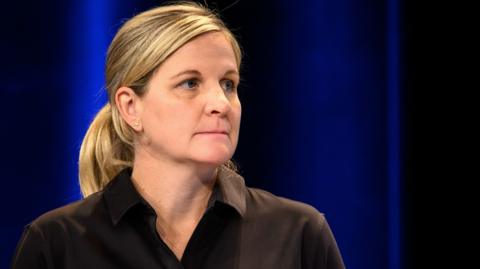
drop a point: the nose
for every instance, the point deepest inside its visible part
(217, 102)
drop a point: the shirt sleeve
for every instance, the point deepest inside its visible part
(319, 248)
(30, 253)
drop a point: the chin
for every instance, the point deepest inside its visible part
(214, 157)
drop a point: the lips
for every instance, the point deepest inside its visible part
(213, 132)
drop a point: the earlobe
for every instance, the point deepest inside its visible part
(127, 102)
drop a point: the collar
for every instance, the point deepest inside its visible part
(121, 196)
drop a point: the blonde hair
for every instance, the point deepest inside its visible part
(136, 51)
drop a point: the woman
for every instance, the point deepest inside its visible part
(160, 190)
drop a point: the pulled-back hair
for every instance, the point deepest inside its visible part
(140, 46)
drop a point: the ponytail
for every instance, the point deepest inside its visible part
(102, 154)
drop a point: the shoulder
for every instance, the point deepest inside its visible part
(49, 234)
(73, 215)
(263, 203)
(298, 223)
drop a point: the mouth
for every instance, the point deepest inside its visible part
(213, 132)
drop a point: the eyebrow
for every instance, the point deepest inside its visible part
(197, 73)
(187, 72)
(232, 72)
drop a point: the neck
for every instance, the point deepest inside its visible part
(178, 192)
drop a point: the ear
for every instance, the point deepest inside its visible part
(129, 106)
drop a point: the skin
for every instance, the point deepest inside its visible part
(187, 125)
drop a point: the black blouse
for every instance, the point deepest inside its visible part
(242, 228)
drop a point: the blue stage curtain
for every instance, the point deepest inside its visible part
(321, 96)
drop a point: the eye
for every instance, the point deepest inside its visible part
(228, 85)
(189, 84)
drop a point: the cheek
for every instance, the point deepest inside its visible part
(237, 114)
(166, 121)
(235, 122)
(236, 107)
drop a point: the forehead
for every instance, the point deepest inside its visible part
(207, 50)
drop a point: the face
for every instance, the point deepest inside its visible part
(191, 111)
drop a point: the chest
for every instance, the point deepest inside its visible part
(216, 242)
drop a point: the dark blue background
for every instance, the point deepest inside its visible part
(322, 110)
